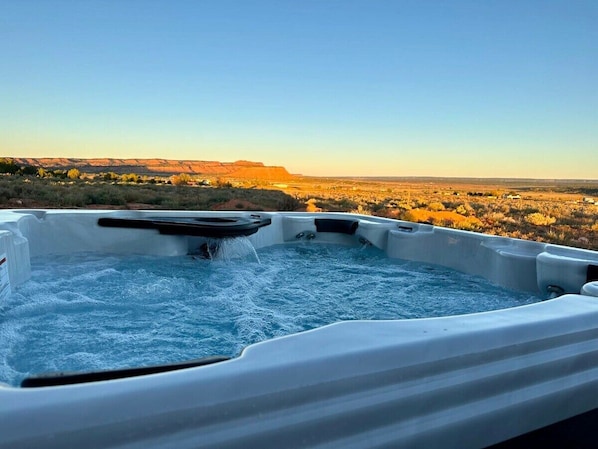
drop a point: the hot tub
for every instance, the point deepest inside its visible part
(462, 381)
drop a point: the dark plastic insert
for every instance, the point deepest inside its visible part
(216, 227)
(339, 226)
(592, 273)
(68, 378)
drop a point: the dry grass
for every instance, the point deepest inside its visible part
(544, 211)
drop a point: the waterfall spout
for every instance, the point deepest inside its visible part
(226, 249)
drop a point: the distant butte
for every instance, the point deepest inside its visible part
(238, 169)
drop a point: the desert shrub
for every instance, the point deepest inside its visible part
(5, 194)
(108, 195)
(361, 210)
(7, 165)
(419, 203)
(129, 177)
(223, 183)
(310, 206)
(495, 217)
(403, 204)
(288, 203)
(73, 173)
(28, 170)
(221, 196)
(461, 210)
(436, 206)
(60, 174)
(181, 180)
(336, 204)
(539, 219)
(442, 218)
(450, 205)
(478, 208)
(74, 198)
(502, 207)
(580, 213)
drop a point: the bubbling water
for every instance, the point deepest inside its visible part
(93, 312)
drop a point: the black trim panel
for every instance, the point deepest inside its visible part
(196, 226)
(592, 274)
(68, 378)
(339, 226)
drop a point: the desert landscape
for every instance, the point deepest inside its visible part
(556, 211)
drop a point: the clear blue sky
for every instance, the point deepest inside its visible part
(483, 88)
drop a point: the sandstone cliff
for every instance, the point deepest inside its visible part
(238, 169)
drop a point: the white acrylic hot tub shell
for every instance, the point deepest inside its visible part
(463, 382)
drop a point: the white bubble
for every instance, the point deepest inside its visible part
(83, 313)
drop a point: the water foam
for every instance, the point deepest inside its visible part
(89, 312)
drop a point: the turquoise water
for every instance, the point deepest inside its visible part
(90, 312)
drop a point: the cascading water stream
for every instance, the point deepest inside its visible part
(227, 249)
